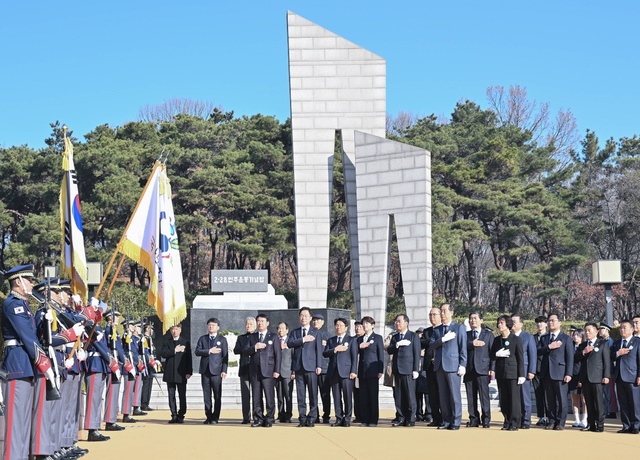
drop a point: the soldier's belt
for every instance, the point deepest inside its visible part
(94, 353)
(61, 348)
(12, 343)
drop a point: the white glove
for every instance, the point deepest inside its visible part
(76, 299)
(68, 363)
(403, 343)
(133, 372)
(49, 376)
(48, 316)
(99, 336)
(461, 371)
(521, 380)
(94, 302)
(414, 374)
(81, 354)
(503, 353)
(448, 336)
(118, 374)
(78, 328)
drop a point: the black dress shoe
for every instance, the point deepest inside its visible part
(525, 427)
(173, 420)
(611, 415)
(410, 424)
(137, 411)
(633, 431)
(453, 427)
(432, 423)
(397, 423)
(444, 427)
(256, 424)
(512, 428)
(549, 427)
(473, 424)
(346, 424)
(267, 424)
(213, 422)
(128, 419)
(427, 419)
(586, 428)
(245, 422)
(180, 420)
(147, 408)
(624, 430)
(310, 424)
(207, 421)
(113, 427)
(558, 428)
(95, 435)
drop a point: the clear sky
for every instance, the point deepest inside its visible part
(87, 63)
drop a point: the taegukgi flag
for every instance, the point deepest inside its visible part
(74, 263)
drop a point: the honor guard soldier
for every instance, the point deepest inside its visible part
(143, 357)
(22, 352)
(54, 331)
(150, 362)
(131, 353)
(99, 365)
(72, 385)
(114, 344)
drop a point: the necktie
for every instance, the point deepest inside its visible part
(553, 337)
(624, 343)
(261, 337)
(339, 340)
(589, 343)
(401, 337)
(446, 328)
(304, 332)
(475, 334)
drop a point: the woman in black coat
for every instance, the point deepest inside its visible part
(507, 354)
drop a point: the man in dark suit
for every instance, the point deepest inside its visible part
(284, 382)
(506, 352)
(542, 408)
(214, 358)
(243, 369)
(324, 383)
(530, 353)
(449, 341)
(405, 348)
(265, 354)
(306, 365)
(342, 351)
(626, 374)
(479, 371)
(595, 358)
(557, 352)
(427, 365)
(370, 369)
(178, 368)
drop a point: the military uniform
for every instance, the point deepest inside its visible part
(22, 351)
(113, 384)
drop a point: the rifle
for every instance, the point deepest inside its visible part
(53, 387)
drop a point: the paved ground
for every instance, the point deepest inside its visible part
(152, 438)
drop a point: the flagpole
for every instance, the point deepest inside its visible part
(74, 286)
(113, 280)
(119, 246)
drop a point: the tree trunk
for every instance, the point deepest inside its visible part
(472, 273)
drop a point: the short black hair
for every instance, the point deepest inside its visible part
(304, 309)
(541, 319)
(213, 320)
(405, 317)
(342, 320)
(475, 312)
(507, 321)
(368, 319)
(262, 315)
